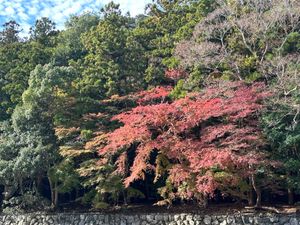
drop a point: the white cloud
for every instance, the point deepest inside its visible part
(26, 12)
(73, 9)
(134, 7)
(23, 16)
(9, 11)
(32, 11)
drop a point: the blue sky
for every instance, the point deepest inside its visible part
(25, 12)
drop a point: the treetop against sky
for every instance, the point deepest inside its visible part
(25, 12)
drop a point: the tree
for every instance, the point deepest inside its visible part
(70, 46)
(236, 39)
(9, 45)
(10, 32)
(281, 119)
(43, 31)
(17, 61)
(166, 23)
(115, 61)
(211, 142)
(32, 127)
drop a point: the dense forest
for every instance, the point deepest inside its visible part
(195, 101)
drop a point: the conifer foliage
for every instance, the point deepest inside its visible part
(172, 105)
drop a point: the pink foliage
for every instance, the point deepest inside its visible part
(175, 74)
(213, 129)
(157, 93)
(121, 164)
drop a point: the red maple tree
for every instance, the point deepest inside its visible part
(211, 140)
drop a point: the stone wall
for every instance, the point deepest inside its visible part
(151, 219)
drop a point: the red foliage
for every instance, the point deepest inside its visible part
(121, 164)
(204, 135)
(175, 74)
(157, 93)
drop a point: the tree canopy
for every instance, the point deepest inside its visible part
(193, 101)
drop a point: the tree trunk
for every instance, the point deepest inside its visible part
(251, 197)
(39, 180)
(9, 191)
(55, 195)
(258, 198)
(124, 197)
(21, 186)
(52, 191)
(76, 193)
(205, 201)
(6, 193)
(290, 196)
(257, 191)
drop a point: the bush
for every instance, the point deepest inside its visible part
(25, 203)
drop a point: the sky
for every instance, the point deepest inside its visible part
(25, 12)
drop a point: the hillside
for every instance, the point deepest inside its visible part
(195, 102)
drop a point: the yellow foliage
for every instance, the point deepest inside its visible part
(90, 169)
(62, 132)
(67, 151)
(162, 165)
(96, 142)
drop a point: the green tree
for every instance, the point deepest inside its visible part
(69, 45)
(10, 32)
(281, 121)
(115, 60)
(17, 60)
(9, 44)
(43, 31)
(167, 22)
(35, 150)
